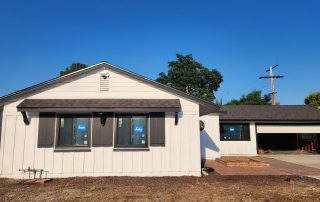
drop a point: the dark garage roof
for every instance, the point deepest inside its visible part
(99, 103)
(269, 113)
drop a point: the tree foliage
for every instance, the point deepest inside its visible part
(252, 98)
(313, 100)
(190, 76)
(72, 68)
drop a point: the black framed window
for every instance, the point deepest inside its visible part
(131, 130)
(234, 132)
(73, 130)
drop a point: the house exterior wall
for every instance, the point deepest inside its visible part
(180, 155)
(241, 147)
(210, 137)
(212, 147)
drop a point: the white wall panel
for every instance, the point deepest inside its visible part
(8, 147)
(18, 152)
(179, 156)
(241, 147)
(210, 137)
(68, 162)
(288, 128)
(78, 162)
(58, 162)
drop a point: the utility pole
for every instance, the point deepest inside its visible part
(272, 77)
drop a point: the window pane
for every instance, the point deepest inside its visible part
(123, 131)
(66, 132)
(139, 124)
(234, 132)
(74, 130)
(81, 131)
(132, 131)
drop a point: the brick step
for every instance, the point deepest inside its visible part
(241, 162)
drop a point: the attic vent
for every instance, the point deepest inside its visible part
(104, 81)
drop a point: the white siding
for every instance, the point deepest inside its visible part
(241, 147)
(288, 129)
(212, 147)
(210, 137)
(180, 155)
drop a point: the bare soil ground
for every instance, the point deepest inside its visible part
(208, 188)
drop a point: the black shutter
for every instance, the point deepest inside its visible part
(46, 129)
(102, 132)
(157, 129)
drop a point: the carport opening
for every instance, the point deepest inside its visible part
(288, 142)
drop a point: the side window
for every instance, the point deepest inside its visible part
(234, 132)
(131, 131)
(74, 130)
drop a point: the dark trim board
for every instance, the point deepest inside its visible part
(90, 110)
(72, 149)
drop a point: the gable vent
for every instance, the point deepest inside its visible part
(104, 82)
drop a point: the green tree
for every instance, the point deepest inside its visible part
(252, 98)
(313, 100)
(190, 76)
(72, 68)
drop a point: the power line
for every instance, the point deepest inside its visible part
(272, 77)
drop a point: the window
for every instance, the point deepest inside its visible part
(74, 130)
(236, 131)
(131, 131)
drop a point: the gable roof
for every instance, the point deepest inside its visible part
(205, 106)
(269, 113)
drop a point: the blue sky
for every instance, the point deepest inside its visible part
(239, 38)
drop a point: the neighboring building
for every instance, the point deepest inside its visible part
(107, 121)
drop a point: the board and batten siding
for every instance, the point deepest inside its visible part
(180, 155)
(212, 147)
(229, 148)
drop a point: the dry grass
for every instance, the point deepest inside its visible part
(208, 188)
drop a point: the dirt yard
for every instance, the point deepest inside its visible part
(209, 188)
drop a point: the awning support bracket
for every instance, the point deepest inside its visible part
(25, 118)
(103, 118)
(176, 118)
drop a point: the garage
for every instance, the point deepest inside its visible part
(288, 142)
(278, 127)
(303, 137)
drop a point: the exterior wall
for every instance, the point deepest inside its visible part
(224, 148)
(288, 129)
(241, 147)
(180, 156)
(210, 137)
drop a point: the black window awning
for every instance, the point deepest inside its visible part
(100, 105)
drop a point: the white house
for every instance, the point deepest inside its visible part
(107, 121)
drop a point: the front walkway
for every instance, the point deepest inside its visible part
(276, 167)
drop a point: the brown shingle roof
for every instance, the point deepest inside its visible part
(99, 103)
(269, 113)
